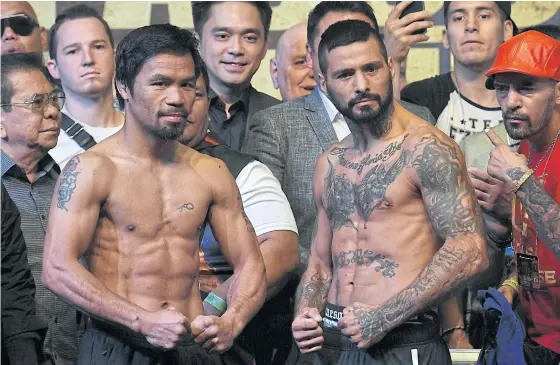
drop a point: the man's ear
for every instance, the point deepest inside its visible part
(508, 30)
(123, 91)
(308, 58)
(274, 72)
(3, 131)
(557, 91)
(44, 35)
(390, 64)
(444, 39)
(53, 68)
(323, 83)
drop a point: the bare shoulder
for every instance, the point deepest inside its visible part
(423, 138)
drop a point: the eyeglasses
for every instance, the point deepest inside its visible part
(21, 24)
(39, 101)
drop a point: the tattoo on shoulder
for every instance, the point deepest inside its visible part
(366, 258)
(67, 183)
(187, 206)
(449, 197)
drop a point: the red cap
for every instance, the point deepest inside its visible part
(531, 53)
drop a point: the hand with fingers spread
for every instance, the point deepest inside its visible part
(214, 334)
(505, 164)
(363, 324)
(164, 328)
(492, 196)
(398, 37)
(306, 330)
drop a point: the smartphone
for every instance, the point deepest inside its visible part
(415, 7)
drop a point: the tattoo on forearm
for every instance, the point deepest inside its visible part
(342, 198)
(430, 287)
(515, 174)
(313, 291)
(366, 258)
(389, 151)
(187, 206)
(449, 198)
(247, 222)
(544, 211)
(67, 183)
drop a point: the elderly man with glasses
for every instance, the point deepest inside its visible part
(30, 124)
(21, 32)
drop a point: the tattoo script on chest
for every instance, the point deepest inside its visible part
(343, 197)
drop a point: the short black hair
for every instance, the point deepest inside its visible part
(550, 30)
(144, 43)
(325, 7)
(19, 62)
(76, 12)
(345, 33)
(201, 13)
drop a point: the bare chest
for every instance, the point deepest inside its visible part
(357, 187)
(154, 204)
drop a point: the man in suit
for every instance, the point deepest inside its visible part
(233, 39)
(289, 137)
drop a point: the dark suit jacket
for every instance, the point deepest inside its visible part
(288, 138)
(255, 101)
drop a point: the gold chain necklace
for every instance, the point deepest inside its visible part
(548, 153)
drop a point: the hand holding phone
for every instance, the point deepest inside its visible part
(406, 25)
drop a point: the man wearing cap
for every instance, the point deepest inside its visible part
(21, 32)
(461, 103)
(526, 75)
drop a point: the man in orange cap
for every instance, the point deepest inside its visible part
(526, 75)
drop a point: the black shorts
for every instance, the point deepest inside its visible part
(106, 345)
(420, 333)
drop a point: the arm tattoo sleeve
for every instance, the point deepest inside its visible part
(543, 210)
(67, 183)
(312, 291)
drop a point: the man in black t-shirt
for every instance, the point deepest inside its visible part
(459, 100)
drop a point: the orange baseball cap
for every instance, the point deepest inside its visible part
(531, 53)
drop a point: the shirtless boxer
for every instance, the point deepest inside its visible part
(134, 206)
(398, 225)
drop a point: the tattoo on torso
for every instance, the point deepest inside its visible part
(187, 206)
(67, 183)
(366, 258)
(343, 198)
(389, 151)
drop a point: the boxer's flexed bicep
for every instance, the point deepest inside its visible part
(82, 186)
(239, 244)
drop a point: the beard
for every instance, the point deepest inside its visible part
(528, 128)
(379, 120)
(168, 133)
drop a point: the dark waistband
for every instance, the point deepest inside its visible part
(134, 339)
(422, 328)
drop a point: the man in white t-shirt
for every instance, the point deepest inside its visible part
(459, 100)
(267, 338)
(81, 49)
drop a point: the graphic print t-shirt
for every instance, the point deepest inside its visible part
(456, 115)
